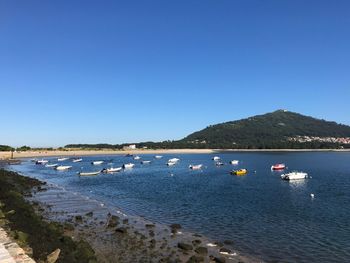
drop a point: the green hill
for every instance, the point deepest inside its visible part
(279, 129)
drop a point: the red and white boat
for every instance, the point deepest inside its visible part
(277, 167)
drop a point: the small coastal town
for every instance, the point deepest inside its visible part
(303, 139)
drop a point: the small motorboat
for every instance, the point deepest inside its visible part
(42, 161)
(239, 172)
(216, 158)
(128, 165)
(234, 162)
(97, 162)
(278, 167)
(62, 159)
(89, 173)
(173, 160)
(63, 167)
(112, 170)
(51, 165)
(219, 163)
(158, 157)
(170, 163)
(196, 167)
(294, 176)
(137, 157)
(77, 160)
(145, 162)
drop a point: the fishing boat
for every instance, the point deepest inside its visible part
(174, 160)
(195, 167)
(62, 159)
(158, 156)
(89, 173)
(97, 162)
(137, 157)
(145, 162)
(51, 165)
(128, 165)
(42, 161)
(234, 162)
(219, 163)
(278, 167)
(294, 176)
(112, 170)
(77, 160)
(62, 167)
(239, 172)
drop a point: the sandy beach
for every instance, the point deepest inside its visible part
(28, 154)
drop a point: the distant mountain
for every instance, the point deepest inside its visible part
(279, 129)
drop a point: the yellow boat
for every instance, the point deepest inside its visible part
(239, 172)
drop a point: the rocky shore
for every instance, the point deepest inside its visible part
(106, 234)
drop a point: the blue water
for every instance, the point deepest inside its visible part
(266, 217)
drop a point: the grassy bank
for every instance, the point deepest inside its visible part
(29, 229)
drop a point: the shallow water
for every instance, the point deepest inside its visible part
(264, 216)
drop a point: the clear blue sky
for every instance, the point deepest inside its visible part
(129, 71)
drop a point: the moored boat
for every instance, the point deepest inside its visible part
(294, 176)
(63, 167)
(170, 163)
(278, 166)
(62, 159)
(174, 160)
(216, 158)
(219, 163)
(128, 165)
(97, 162)
(196, 167)
(112, 170)
(158, 156)
(77, 160)
(42, 161)
(145, 162)
(234, 162)
(137, 157)
(239, 172)
(51, 165)
(89, 173)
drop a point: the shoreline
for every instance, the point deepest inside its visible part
(117, 237)
(75, 153)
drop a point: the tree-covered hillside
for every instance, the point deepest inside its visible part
(271, 130)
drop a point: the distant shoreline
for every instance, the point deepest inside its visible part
(27, 154)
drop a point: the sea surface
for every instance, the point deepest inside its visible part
(264, 216)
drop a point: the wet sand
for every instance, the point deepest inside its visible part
(117, 237)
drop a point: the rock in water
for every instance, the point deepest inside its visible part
(52, 258)
(184, 246)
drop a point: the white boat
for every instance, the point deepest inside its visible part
(294, 176)
(89, 173)
(137, 157)
(219, 164)
(77, 160)
(145, 162)
(112, 170)
(128, 165)
(62, 159)
(216, 158)
(173, 160)
(158, 156)
(234, 162)
(170, 163)
(62, 167)
(42, 161)
(51, 165)
(97, 162)
(196, 167)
